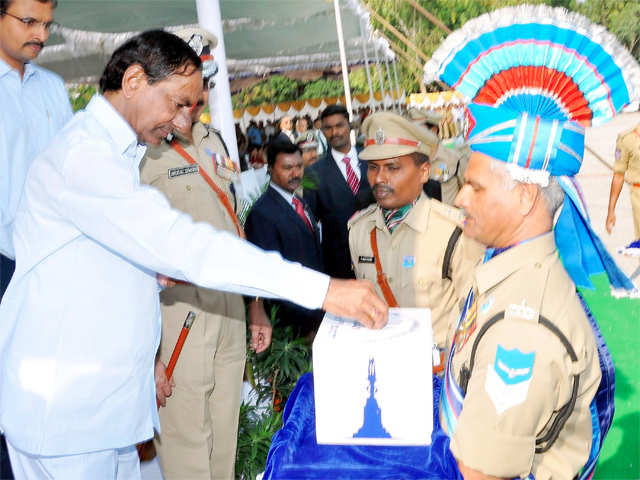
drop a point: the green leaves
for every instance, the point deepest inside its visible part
(273, 375)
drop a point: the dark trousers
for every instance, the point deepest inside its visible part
(7, 266)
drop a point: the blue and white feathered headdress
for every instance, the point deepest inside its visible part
(536, 76)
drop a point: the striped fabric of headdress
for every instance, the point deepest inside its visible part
(535, 77)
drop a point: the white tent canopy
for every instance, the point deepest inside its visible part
(261, 36)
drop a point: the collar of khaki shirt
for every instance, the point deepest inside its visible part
(417, 219)
(500, 267)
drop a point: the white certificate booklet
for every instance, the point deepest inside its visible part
(373, 387)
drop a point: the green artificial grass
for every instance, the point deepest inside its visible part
(619, 320)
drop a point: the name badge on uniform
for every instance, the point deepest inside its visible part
(365, 259)
(408, 261)
(179, 171)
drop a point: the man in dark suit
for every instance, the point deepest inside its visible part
(279, 221)
(337, 179)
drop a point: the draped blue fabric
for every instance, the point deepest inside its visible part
(295, 453)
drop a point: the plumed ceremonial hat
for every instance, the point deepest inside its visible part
(535, 77)
(203, 42)
(389, 135)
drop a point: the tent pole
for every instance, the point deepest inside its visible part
(210, 19)
(379, 74)
(371, 103)
(343, 59)
(395, 76)
(386, 64)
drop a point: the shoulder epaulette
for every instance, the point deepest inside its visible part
(621, 135)
(361, 214)
(453, 214)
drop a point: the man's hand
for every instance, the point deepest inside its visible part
(260, 327)
(164, 386)
(356, 299)
(611, 222)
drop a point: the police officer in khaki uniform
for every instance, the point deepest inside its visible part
(523, 367)
(449, 163)
(407, 243)
(200, 420)
(626, 167)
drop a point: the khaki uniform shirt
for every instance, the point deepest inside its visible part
(187, 191)
(499, 422)
(628, 155)
(448, 168)
(412, 258)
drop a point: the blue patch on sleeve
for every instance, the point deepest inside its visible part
(408, 261)
(513, 366)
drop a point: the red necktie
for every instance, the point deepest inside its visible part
(297, 204)
(352, 178)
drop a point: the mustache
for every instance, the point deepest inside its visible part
(381, 188)
(37, 44)
(294, 180)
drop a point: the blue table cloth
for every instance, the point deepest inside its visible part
(295, 454)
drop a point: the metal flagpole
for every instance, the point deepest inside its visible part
(366, 63)
(210, 19)
(386, 64)
(379, 73)
(343, 59)
(395, 76)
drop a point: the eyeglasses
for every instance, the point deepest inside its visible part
(32, 23)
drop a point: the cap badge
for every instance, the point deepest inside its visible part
(196, 43)
(379, 137)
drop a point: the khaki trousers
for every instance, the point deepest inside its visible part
(200, 422)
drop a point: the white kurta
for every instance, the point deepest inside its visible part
(80, 321)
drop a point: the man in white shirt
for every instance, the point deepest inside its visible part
(81, 317)
(337, 183)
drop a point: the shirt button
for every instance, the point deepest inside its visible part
(390, 279)
(188, 188)
(422, 283)
(538, 265)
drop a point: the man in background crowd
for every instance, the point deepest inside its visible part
(309, 148)
(336, 179)
(322, 141)
(35, 106)
(627, 165)
(302, 127)
(280, 221)
(286, 129)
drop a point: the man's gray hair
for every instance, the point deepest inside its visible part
(552, 194)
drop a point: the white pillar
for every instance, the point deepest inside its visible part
(210, 19)
(379, 73)
(343, 58)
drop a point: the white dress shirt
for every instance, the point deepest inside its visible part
(81, 317)
(34, 108)
(353, 161)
